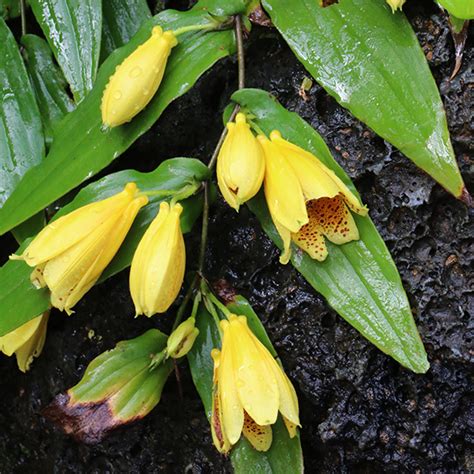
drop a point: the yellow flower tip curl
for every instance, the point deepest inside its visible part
(307, 201)
(137, 79)
(26, 342)
(240, 163)
(71, 252)
(396, 4)
(250, 389)
(157, 269)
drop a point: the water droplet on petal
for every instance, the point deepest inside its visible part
(117, 95)
(136, 71)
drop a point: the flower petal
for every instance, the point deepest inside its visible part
(309, 170)
(33, 347)
(63, 233)
(232, 411)
(12, 341)
(311, 239)
(292, 428)
(260, 437)
(283, 191)
(70, 275)
(334, 219)
(256, 385)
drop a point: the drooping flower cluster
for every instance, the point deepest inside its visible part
(70, 253)
(307, 201)
(250, 390)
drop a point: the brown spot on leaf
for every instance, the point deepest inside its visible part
(86, 422)
(328, 3)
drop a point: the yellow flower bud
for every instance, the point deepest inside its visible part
(396, 4)
(240, 164)
(71, 252)
(182, 339)
(26, 342)
(137, 79)
(157, 270)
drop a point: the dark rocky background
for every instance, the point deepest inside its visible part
(361, 411)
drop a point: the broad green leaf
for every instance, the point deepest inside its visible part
(48, 83)
(285, 454)
(463, 9)
(121, 20)
(21, 134)
(118, 387)
(81, 149)
(370, 61)
(73, 30)
(20, 301)
(359, 279)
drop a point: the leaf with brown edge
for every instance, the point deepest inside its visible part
(117, 388)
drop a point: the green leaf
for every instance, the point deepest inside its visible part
(121, 20)
(21, 134)
(118, 387)
(48, 83)
(359, 279)
(9, 9)
(224, 8)
(81, 149)
(463, 9)
(370, 61)
(73, 30)
(285, 454)
(20, 301)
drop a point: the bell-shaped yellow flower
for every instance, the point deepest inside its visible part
(396, 4)
(26, 342)
(240, 163)
(137, 79)
(307, 201)
(71, 252)
(250, 389)
(157, 270)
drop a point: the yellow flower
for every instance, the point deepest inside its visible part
(137, 79)
(396, 4)
(181, 340)
(157, 270)
(26, 342)
(240, 164)
(306, 200)
(71, 252)
(250, 388)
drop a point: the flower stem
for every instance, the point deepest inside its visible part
(212, 162)
(190, 28)
(256, 128)
(23, 17)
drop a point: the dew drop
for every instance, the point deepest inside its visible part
(117, 95)
(136, 71)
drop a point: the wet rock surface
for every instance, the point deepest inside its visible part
(361, 411)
